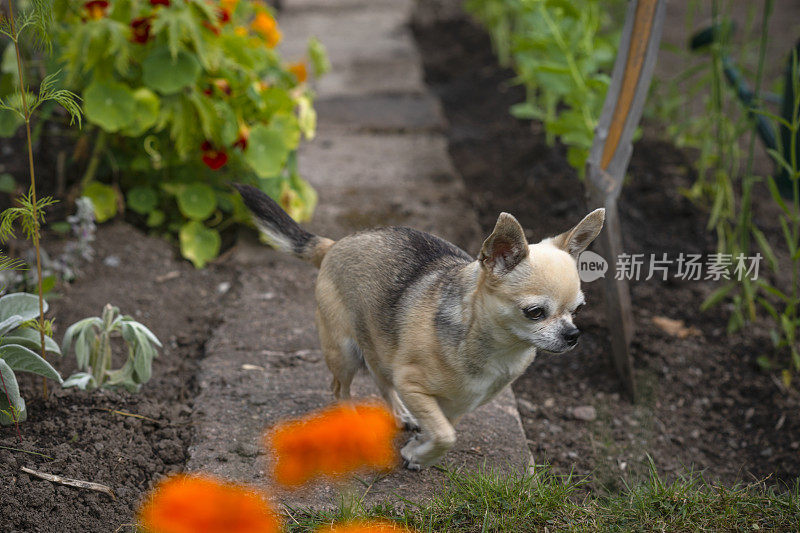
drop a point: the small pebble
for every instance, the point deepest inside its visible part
(587, 413)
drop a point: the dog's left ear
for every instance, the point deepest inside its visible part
(581, 236)
(505, 248)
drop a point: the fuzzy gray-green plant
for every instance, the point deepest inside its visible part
(17, 342)
(91, 340)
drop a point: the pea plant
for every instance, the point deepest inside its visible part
(179, 97)
(562, 52)
(91, 338)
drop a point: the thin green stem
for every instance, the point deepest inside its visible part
(94, 162)
(26, 109)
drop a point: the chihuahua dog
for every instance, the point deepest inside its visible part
(440, 332)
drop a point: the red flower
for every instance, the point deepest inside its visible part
(210, 27)
(96, 8)
(159, 3)
(223, 15)
(244, 134)
(141, 30)
(213, 158)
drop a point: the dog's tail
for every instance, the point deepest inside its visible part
(282, 232)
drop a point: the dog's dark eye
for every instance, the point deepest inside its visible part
(534, 313)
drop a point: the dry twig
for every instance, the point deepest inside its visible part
(88, 485)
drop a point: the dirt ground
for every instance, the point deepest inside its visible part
(92, 436)
(704, 403)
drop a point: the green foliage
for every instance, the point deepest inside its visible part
(561, 52)
(183, 99)
(17, 342)
(90, 338)
(783, 307)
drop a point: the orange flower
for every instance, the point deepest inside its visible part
(96, 9)
(241, 31)
(195, 503)
(229, 5)
(364, 527)
(265, 25)
(333, 442)
(299, 70)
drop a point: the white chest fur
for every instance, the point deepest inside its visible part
(503, 367)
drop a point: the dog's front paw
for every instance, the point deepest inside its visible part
(408, 453)
(414, 467)
(409, 422)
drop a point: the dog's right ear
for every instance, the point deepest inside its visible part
(505, 248)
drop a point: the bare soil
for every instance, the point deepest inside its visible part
(704, 404)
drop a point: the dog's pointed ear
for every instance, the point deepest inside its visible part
(581, 236)
(505, 247)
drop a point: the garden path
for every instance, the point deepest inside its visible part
(379, 158)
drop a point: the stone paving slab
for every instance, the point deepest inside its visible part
(382, 113)
(371, 50)
(378, 159)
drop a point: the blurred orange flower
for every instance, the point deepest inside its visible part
(267, 27)
(364, 527)
(333, 442)
(299, 70)
(229, 5)
(195, 503)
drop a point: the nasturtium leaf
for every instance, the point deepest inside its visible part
(21, 359)
(167, 74)
(319, 57)
(199, 244)
(155, 218)
(142, 199)
(104, 200)
(20, 303)
(268, 147)
(197, 201)
(12, 390)
(145, 115)
(109, 104)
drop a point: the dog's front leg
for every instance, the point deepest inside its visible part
(437, 434)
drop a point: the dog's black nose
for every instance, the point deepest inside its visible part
(571, 336)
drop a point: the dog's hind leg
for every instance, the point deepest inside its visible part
(342, 356)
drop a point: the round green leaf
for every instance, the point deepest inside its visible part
(145, 113)
(104, 200)
(267, 151)
(197, 201)
(199, 244)
(167, 74)
(142, 200)
(109, 104)
(156, 218)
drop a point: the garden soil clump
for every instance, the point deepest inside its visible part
(704, 403)
(121, 440)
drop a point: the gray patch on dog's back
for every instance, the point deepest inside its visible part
(450, 327)
(417, 254)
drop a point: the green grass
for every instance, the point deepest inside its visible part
(538, 501)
